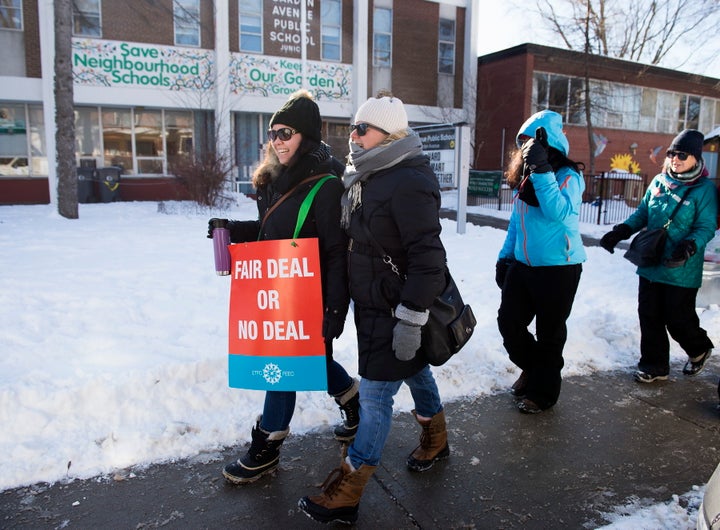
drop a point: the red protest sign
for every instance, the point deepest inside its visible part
(275, 331)
(276, 299)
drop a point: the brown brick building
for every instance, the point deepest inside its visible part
(636, 109)
(158, 79)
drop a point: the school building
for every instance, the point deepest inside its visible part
(156, 80)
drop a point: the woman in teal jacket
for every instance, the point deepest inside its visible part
(667, 292)
(539, 265)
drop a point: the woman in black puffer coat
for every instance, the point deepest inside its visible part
(294, 153)
(393, 197)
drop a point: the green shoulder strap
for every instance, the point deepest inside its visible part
(307, 203)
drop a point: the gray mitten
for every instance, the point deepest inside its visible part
(408, 332)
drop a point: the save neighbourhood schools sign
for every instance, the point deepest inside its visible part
(98, 62)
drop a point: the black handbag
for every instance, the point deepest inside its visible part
(646, 248)
(450, 325)
(451, 321)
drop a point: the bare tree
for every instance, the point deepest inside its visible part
(641, 30)
(206, 173)
(64, 113)
(588, 110)
(444, 115)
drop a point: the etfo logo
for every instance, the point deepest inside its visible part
(272, 373)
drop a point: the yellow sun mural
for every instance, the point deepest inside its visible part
(624, 162)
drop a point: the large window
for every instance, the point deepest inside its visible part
(186, 16)
(560, 93)
(149, 145)
(86, 18)
(382, 37)
(11, 14)
(87, 135)
(138, 141)
(666, 111)
(615, 106)
(622, 106)
(251, 23)
(331, 31)
(22, 140)
(446, 46)
(14, 159)
(689, 112)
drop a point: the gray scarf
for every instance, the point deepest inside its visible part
(690, 175)
(365, 162)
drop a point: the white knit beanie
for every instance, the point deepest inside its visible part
(386, 113)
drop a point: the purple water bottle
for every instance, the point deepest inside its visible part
(221, 240)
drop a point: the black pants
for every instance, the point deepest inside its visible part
(545, 294)
(660, 307)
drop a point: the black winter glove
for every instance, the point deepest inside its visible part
(612, 238)
(534, 152)
(681, 253)
(240, 231)
(211, 226)
(501, 268)
(333, 323)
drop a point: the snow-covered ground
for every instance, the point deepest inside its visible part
(113, 332)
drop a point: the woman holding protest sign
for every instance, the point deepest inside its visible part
(392, 197)
(295, 159)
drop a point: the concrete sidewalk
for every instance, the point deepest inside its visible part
(607, 441)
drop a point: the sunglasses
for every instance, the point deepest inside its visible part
(362, 128)
(679, 154)
(284, 134)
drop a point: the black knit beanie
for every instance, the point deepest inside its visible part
(689, 141)
(302, 114)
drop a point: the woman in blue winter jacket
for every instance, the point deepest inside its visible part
(540, 263)
(667, 292)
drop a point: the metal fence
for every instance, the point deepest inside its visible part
(609, 198)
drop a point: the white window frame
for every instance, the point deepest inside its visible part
(446, 44)
(375, 62)
(89, 15)
(256, 13)
(10, 10)
(186, 22)
(332, 28)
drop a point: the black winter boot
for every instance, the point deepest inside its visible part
(349, 402)
(262, 457)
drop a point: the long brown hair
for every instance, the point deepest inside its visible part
(514, 172)
(270, 167)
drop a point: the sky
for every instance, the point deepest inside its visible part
(506, 24)
(114, 342)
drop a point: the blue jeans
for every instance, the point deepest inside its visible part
(280, 406)
(376, 409)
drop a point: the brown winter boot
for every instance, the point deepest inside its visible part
(341, 494)
(433, 443)
(261, 458)
(349, 402)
